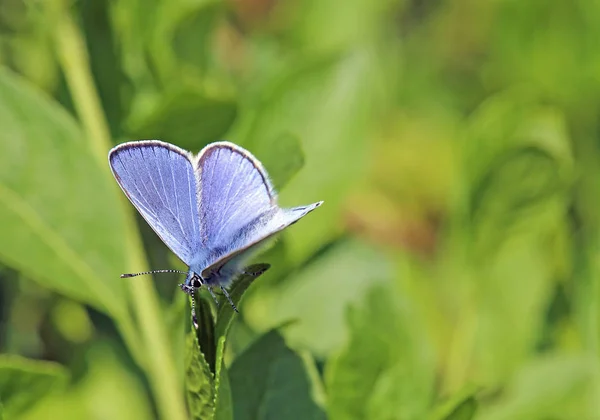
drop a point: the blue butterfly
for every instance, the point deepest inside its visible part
(213, 210)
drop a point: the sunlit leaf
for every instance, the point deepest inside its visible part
(59, 214)
(462, 406)
(318, 295)
(108, 390)
(519, 162)
(385, 370)
(199, 382)
(328, 106)
(558, 386)
(359, 20)
(223, 401)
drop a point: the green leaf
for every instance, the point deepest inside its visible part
(59, 215)
(109, 389)
(464, 411)
(188, 119)
(462, 406)
(386, 370)
(226, 313)
(104, 61)
(206, 329)
(24, 382)
(193, 33)
(282, 156)
(551, 387)
(205, 354)
(199, 383)
(270, 381)
(328, 105)
(223, 403)
(519, 163)
(338, 28)
(318, 295)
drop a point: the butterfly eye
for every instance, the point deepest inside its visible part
(196, 283)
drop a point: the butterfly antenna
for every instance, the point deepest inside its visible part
(229, 299)
(151, 272)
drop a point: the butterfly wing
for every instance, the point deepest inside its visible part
(235, 194)
(159, 180)
(229, 265)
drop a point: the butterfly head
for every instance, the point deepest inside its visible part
(193, 281)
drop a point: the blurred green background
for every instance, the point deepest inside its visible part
(452, 273)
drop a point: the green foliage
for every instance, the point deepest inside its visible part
(450, 275)
(374, 376)
(535, 393)
(207, 381)
(199, 382)
(23, 382)
(176, 120)
(269, 380)
(462, 406)
(60, 217)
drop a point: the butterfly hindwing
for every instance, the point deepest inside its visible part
(228, 265)
(159, 180)
(235, 194)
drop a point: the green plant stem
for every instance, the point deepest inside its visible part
(159, 363)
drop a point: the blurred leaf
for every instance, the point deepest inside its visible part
(328, 105)
(27, 42)
(465, 411)
(511, 307)
(1, 412)
(385, 371)
(557, 61)
(282, 157)
(557, 387)
(188, 119)
(339, 28)
(199, 381)
(520, 167)
(519, 160)
(461, 406)
(270, 381)
(194, 32)
(105, 61)
(24, 382)
(318, 295)
(108, 390)
(223, 403)
(60, 218)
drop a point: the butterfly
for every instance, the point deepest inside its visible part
(213, 210)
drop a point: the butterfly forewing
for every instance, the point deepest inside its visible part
(158, 178)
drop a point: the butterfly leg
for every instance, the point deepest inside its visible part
(213, 295)
(194, 319)
(229, 299)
